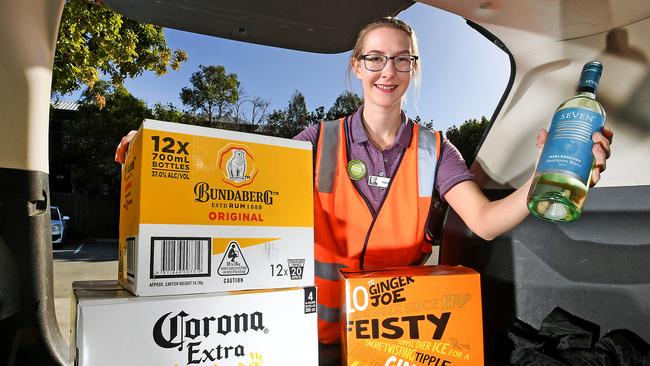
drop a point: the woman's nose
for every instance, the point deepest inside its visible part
(389, 69)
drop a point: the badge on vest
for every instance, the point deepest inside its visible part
(357, 169)
(381, 182)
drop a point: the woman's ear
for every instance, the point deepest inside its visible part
(356, 68)
(415, 71)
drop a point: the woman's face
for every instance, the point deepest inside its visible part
(384, 88)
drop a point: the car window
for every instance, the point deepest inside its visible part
(54, 213)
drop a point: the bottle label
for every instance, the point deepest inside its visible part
(568, 147)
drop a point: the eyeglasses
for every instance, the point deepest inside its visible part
(402, 63)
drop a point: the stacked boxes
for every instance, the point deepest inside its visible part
(428, 315)
(205, 215)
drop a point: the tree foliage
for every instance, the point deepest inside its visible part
(295, 118)
(346, 103)
(171, 113)
(467, 137)
(213, 92)
(93, 40)
(290, 121)
(316, 116)
(297, 111)
(94, 134)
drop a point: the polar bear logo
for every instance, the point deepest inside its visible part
(236, 166)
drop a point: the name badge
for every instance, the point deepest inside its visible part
(375, 181)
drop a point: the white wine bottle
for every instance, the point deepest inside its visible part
(563, 173)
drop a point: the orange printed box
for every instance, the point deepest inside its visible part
(412, 316)
(208, 210)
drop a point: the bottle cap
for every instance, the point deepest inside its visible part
(590, 76)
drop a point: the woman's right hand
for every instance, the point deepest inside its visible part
(123, 146)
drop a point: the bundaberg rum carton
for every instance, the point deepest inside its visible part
(206, 210)
(406, 316)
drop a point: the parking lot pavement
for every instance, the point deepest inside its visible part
(80, 261)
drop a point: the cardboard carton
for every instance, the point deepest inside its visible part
(406, 316)
(206, 210)
(272, 327)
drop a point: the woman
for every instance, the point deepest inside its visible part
(375, 215)
(373, 212)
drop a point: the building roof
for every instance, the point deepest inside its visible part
(64, 105)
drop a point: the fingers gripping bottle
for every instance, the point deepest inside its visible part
(563, 173)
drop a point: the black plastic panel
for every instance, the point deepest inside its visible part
(29, 334)
(315, 26)
(597, 268)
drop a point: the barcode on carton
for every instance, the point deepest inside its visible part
(130, 257)
(180, 257)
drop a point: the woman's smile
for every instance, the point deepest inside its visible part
(386, 88)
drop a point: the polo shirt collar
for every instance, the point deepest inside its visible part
(358, 132)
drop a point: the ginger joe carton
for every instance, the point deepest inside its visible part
(110, 326)
(407, 316)
(206, 210)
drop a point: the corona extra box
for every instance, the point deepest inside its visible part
(268, 327)
(429, 315)
(206, 210)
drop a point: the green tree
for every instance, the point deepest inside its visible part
(171, 113)
(213, 92)
(295, 118)
(467, 137)
(297, 111)
(276, 123)
(290, 121)
(346, 103)
(94, 39)
(316, 116)
(94, 134)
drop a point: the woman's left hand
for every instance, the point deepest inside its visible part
(602, 151)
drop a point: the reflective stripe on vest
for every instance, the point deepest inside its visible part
(328, 271)
(328, 314)
(329, 145)
(428, 152)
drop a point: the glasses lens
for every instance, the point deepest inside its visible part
(403, 63)
(375, 62)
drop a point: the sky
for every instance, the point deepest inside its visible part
(463, 74)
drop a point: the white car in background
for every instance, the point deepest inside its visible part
(59, 224)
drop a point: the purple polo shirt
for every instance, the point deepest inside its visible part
(452, 169)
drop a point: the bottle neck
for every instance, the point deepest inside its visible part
(591, 94)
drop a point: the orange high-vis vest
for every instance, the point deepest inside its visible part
(347, 234)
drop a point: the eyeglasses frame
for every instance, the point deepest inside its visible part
(414, 60)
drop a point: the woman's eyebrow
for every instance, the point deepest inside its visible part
(402, 52)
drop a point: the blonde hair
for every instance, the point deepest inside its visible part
(389, 22)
